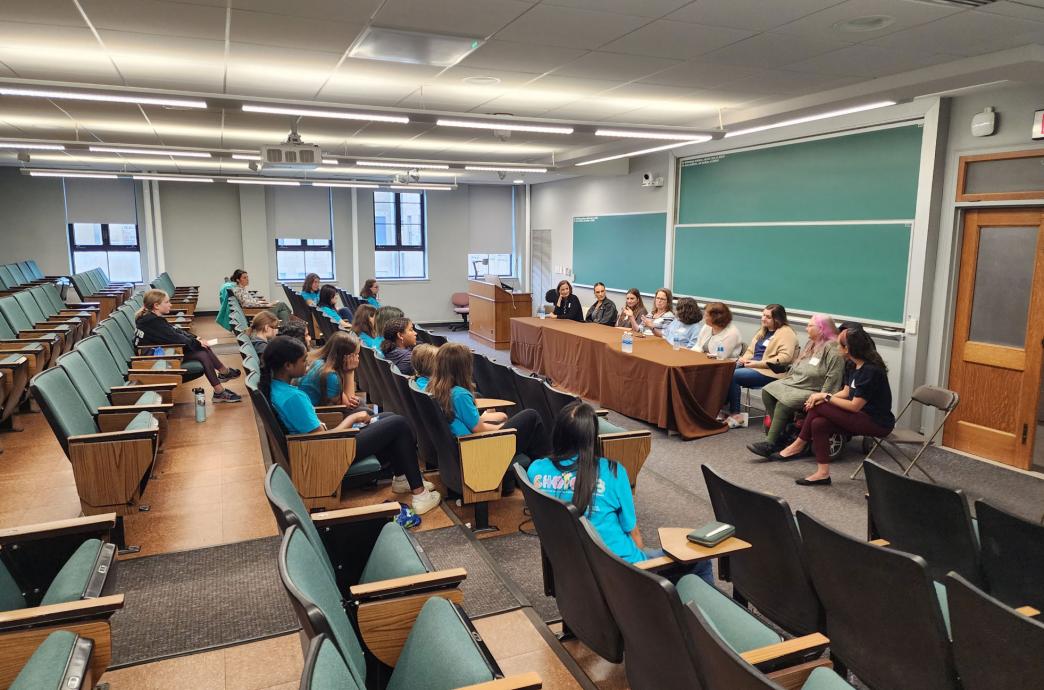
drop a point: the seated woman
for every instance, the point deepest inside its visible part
(240, 280)
(766, 359)
(818, 369)
(310, 289)
(567, 305)
(390, 438)
(398, 344)
(363, 325)
(330, 379)
(862, 408)
(603, 310)
(330, 305)
(453, 388)
(598, 487)
(263, 327)
(633, 311)
(153, 329)
(381, 319)
(423, 364)
(369, 292)
(685, 327)
(661, 315)
(718, 330)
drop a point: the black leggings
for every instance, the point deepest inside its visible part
(391, 439)
(211, 364)
(531, 439)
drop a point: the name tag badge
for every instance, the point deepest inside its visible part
(814, 361)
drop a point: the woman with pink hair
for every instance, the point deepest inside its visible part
(818, 369)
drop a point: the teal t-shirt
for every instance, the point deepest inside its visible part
(370, 341)
(611, 511)
(314, 388)
(293, 408)
(313, 297)
(374, 302)
(465, 413)
(331, 312)
(421, 381)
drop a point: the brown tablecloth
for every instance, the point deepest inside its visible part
(679, 390)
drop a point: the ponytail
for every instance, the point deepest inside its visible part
(150, 300)
(391, 334)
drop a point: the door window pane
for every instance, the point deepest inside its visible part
(1003, 284)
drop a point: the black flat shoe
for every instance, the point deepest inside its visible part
(763, 448)
(783, 458)
(825, 481)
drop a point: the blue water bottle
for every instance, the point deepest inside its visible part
(721, 351)
(628, 342)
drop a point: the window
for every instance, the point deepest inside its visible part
(297, 258)
(112, 247)
(400, 249)
(480, 265)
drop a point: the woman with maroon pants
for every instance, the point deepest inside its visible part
(862, 408)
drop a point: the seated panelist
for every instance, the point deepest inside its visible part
(661, 315)
(718, 330)
(633, 311)
(685, 327)
(603, 310)
(567, 305)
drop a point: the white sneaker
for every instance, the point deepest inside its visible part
(738, 421)
(401, 486)
(426, 501)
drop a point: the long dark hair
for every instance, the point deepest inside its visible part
(391, 334)
(367, 288)
(281, 350)
(309, 280)
(779, 319)
(361, 322)
(861, 346)
(326, 296)
(576, 434)
(236, 275)
(452, 368)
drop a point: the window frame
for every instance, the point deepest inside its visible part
(105, 246)
(303, 246)
(422, 248)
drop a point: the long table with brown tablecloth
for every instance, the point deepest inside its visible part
(678, 390)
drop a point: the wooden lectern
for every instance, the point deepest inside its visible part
(492, 308)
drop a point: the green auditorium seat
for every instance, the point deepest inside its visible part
(19, 323)
(114, 378)
(41, 350)
(80, 327)
(123, 352)
(51, 304)
(14, 368)
(63, 661)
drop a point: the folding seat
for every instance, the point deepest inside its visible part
(425, 336)
(317, 463)
(368, 377)
(183, 299)
(649, 611)
(489, 385)
(78, 326)
(102, 282)
(425, 447)
(994, 645)
(126, 386)
(393, 400)
(19, 323)
(9, 281)
(531, 394)
(926, 519)
(348, 302)
(1012, 556)
(435, 647)
(168, 363)
(884, 614)
(51, 304)
(14, 387)
(41, 350)
(63, 661)
(106, 300)
(111, 455)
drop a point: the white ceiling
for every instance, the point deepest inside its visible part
(672, 63)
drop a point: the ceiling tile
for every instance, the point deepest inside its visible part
(754, 15)
(277, 72)
(351, 11)
(790, 83)
(167, 62)
(569, 28)
(509, 79)
(37, 51)
(1024, 9)
(498, 54)
(904, 14)
(374, 82)
(151, 16)
(59, 12)
(554, 86)
(292, 32)
(967, 33)
(699, 74)
(459, 17)
(598, 65)
(678, 40)
(773, 49)
(646, 8)
(186, 127)
(524, 106)
(868, 61)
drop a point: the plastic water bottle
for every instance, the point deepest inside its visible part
(627, 345)
(157, 351)
(675, 345)
(720, 354)
(201, 405)
(540, 312)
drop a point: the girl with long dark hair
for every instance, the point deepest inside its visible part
(330, 305)
(363, 325)
(330, 379)
(310, 289)
(633, 311)
(390, 438)
(369, 292)
(398, 344)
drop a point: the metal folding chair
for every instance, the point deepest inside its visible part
(929, 396)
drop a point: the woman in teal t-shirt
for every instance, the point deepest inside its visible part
(330, 304)
(363, 325)
(310, 289)
(369, 292)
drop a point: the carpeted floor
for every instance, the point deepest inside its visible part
(185, 602)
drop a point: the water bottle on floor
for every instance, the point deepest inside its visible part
(627, 345)
(201, 404)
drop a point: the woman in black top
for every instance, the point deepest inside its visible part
(862, 408)
(567, 306)
(153, 329)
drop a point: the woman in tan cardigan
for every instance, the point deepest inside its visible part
(767, 358)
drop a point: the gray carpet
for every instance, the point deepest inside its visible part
(485, 592)
(518, 558)
(186, 602)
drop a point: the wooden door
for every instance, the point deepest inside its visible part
(998, 335)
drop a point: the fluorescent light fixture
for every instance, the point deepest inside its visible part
(499, 168)
(415, 187)
(31, 147)
(245, 157)
(332, 114)
(412, 47)
(331, 161)
(149, 152)
(403, 165)
(355, 185)
(633, 134)
(811, 118)
(58, 173)
(476, 124)
(279, 183)
(110, 98)
(518, 181)
(173, 178)
(639, 153)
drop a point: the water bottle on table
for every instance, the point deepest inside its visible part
(627, 345)
(540, 312)
(720, 354)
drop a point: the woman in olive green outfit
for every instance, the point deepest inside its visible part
(819, 368)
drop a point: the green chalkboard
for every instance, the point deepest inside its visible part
(842, 270)
(864, 176)
(623, 251)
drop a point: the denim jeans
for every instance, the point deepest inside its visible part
(701, 569)
(744, 377)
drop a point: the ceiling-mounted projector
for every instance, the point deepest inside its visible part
(291, 154)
